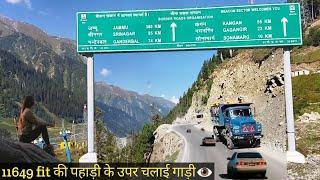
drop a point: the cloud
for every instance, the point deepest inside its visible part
(14, 1)
(43, 13)
(174, 99)
(47, 13)
(26, 2)
(105, 72)
(149, 85)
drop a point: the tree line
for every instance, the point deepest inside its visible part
(310, 10)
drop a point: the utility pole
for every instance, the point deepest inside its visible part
(74, 133)
(251, 1)
(292, 154)
(85, 121)
(303, 13)
(312, 11)
(91, 156)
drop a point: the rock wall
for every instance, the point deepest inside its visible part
(166, 145)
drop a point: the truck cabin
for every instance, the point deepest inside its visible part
(216, 110)
(224, 112)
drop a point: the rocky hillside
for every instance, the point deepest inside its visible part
(260, 83)
(254, 75)
(127, 111)
(167, 146)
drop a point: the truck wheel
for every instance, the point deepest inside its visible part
(262, 175)
(230, 144)
(230, 173)
(216, 134)
(257, 143)
(216, 137)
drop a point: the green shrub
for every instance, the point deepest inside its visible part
(173, 157)
(313, 39)
(306, 58)
(260, 55)
(5, 134)
(306, 93)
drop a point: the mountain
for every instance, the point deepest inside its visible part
(127, 111)
(56, 57)
(47, 67)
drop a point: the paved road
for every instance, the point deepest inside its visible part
(218, 154)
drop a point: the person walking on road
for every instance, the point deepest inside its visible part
(30, 127)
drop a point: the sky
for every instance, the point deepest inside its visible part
(164, 74)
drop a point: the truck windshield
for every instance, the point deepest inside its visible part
(240, 112)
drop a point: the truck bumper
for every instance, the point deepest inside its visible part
(248, 137)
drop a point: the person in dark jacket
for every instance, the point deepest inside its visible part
(30, 127)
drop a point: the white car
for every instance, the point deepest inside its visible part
(246, 163)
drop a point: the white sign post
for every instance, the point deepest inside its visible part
(91, 156)
(292, 154)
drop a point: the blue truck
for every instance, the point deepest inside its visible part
(235, 125)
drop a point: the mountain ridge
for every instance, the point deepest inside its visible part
(49, 68)
(138, 108)
(133, 92)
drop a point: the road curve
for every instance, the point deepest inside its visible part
(218, 154)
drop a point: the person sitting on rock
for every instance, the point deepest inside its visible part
(26, 132)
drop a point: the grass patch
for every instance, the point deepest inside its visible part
(76, 153)
(8, 125)
(313, 56)
(173, 157)
(309, 138)
(306, 94)
(53, 131)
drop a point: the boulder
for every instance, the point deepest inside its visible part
(312, 117)
(17, 152)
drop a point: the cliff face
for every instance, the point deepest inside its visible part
(167, 146)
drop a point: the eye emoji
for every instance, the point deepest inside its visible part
(204, 172)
